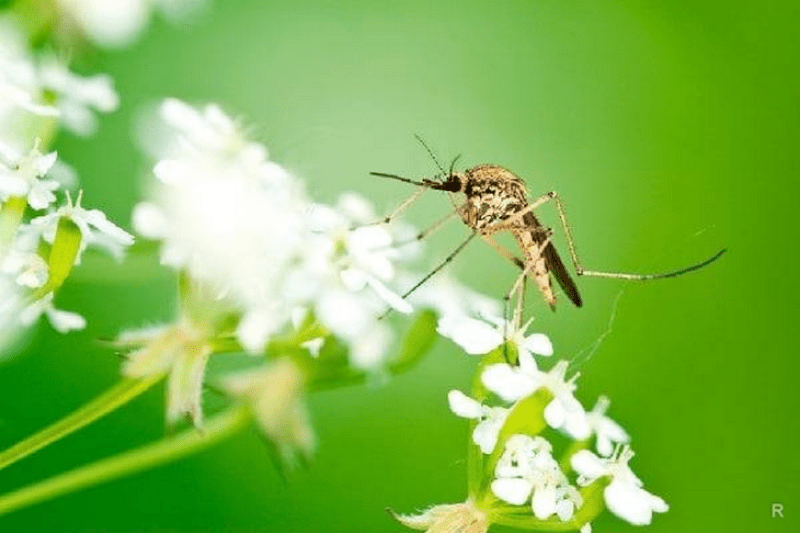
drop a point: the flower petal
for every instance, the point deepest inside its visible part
(538, 343)
(508, 383)
(588, 465)
(515, 491)
(474, 336)
(65, 321)
(463, 406)
(544, 501)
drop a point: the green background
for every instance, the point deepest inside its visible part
(669, 128)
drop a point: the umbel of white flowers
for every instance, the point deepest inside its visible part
(515, 478)
(267, 271)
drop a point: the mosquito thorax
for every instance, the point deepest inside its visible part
(493, 193)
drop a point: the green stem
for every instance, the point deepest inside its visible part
(11, 213)
(117, 396)
(130, 462)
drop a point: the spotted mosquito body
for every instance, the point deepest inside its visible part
(495, 201)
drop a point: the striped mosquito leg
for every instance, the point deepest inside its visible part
(579, 270)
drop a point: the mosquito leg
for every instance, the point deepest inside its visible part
(430, 274)
(398, 210)
(516, 319)
(579, 270)
(529, 266)
(441, 265)
(505, 252)
(427, 232)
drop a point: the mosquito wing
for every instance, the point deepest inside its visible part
(555, 264)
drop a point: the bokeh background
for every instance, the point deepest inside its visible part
(669, 128)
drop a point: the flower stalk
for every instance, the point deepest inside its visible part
(114, 398)
(139, 459)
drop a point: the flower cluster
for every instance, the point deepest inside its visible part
(42, 232)
(514, 465)
(265, 270)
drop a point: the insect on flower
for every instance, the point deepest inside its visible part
(496, 201)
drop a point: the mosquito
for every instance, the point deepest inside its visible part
(495, 201)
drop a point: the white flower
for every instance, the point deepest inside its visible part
(564, 412)
(23, 113)
(527, 470)
(95, 228)
(227, 216)
(19, 83)
(607, 432)
(181, 350)
(28, 269)
(119, 23)
(76, 96)
(361, 257)
(242, 225)
(24, 176)
(490, 419)
(624, 496)
(482, 336)
(62, 321)
(274, 394)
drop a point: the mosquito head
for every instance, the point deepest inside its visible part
(454, 183)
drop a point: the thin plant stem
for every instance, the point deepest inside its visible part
(136, 460)
(117, 396)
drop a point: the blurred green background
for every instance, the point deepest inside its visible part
(669, 128)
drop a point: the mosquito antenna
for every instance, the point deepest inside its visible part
(453, 164)
(430, 153)
(399, 178)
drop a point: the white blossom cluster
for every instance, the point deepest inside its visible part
(526, 472)
(38, 94)
(244, 235)
(242, 225)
